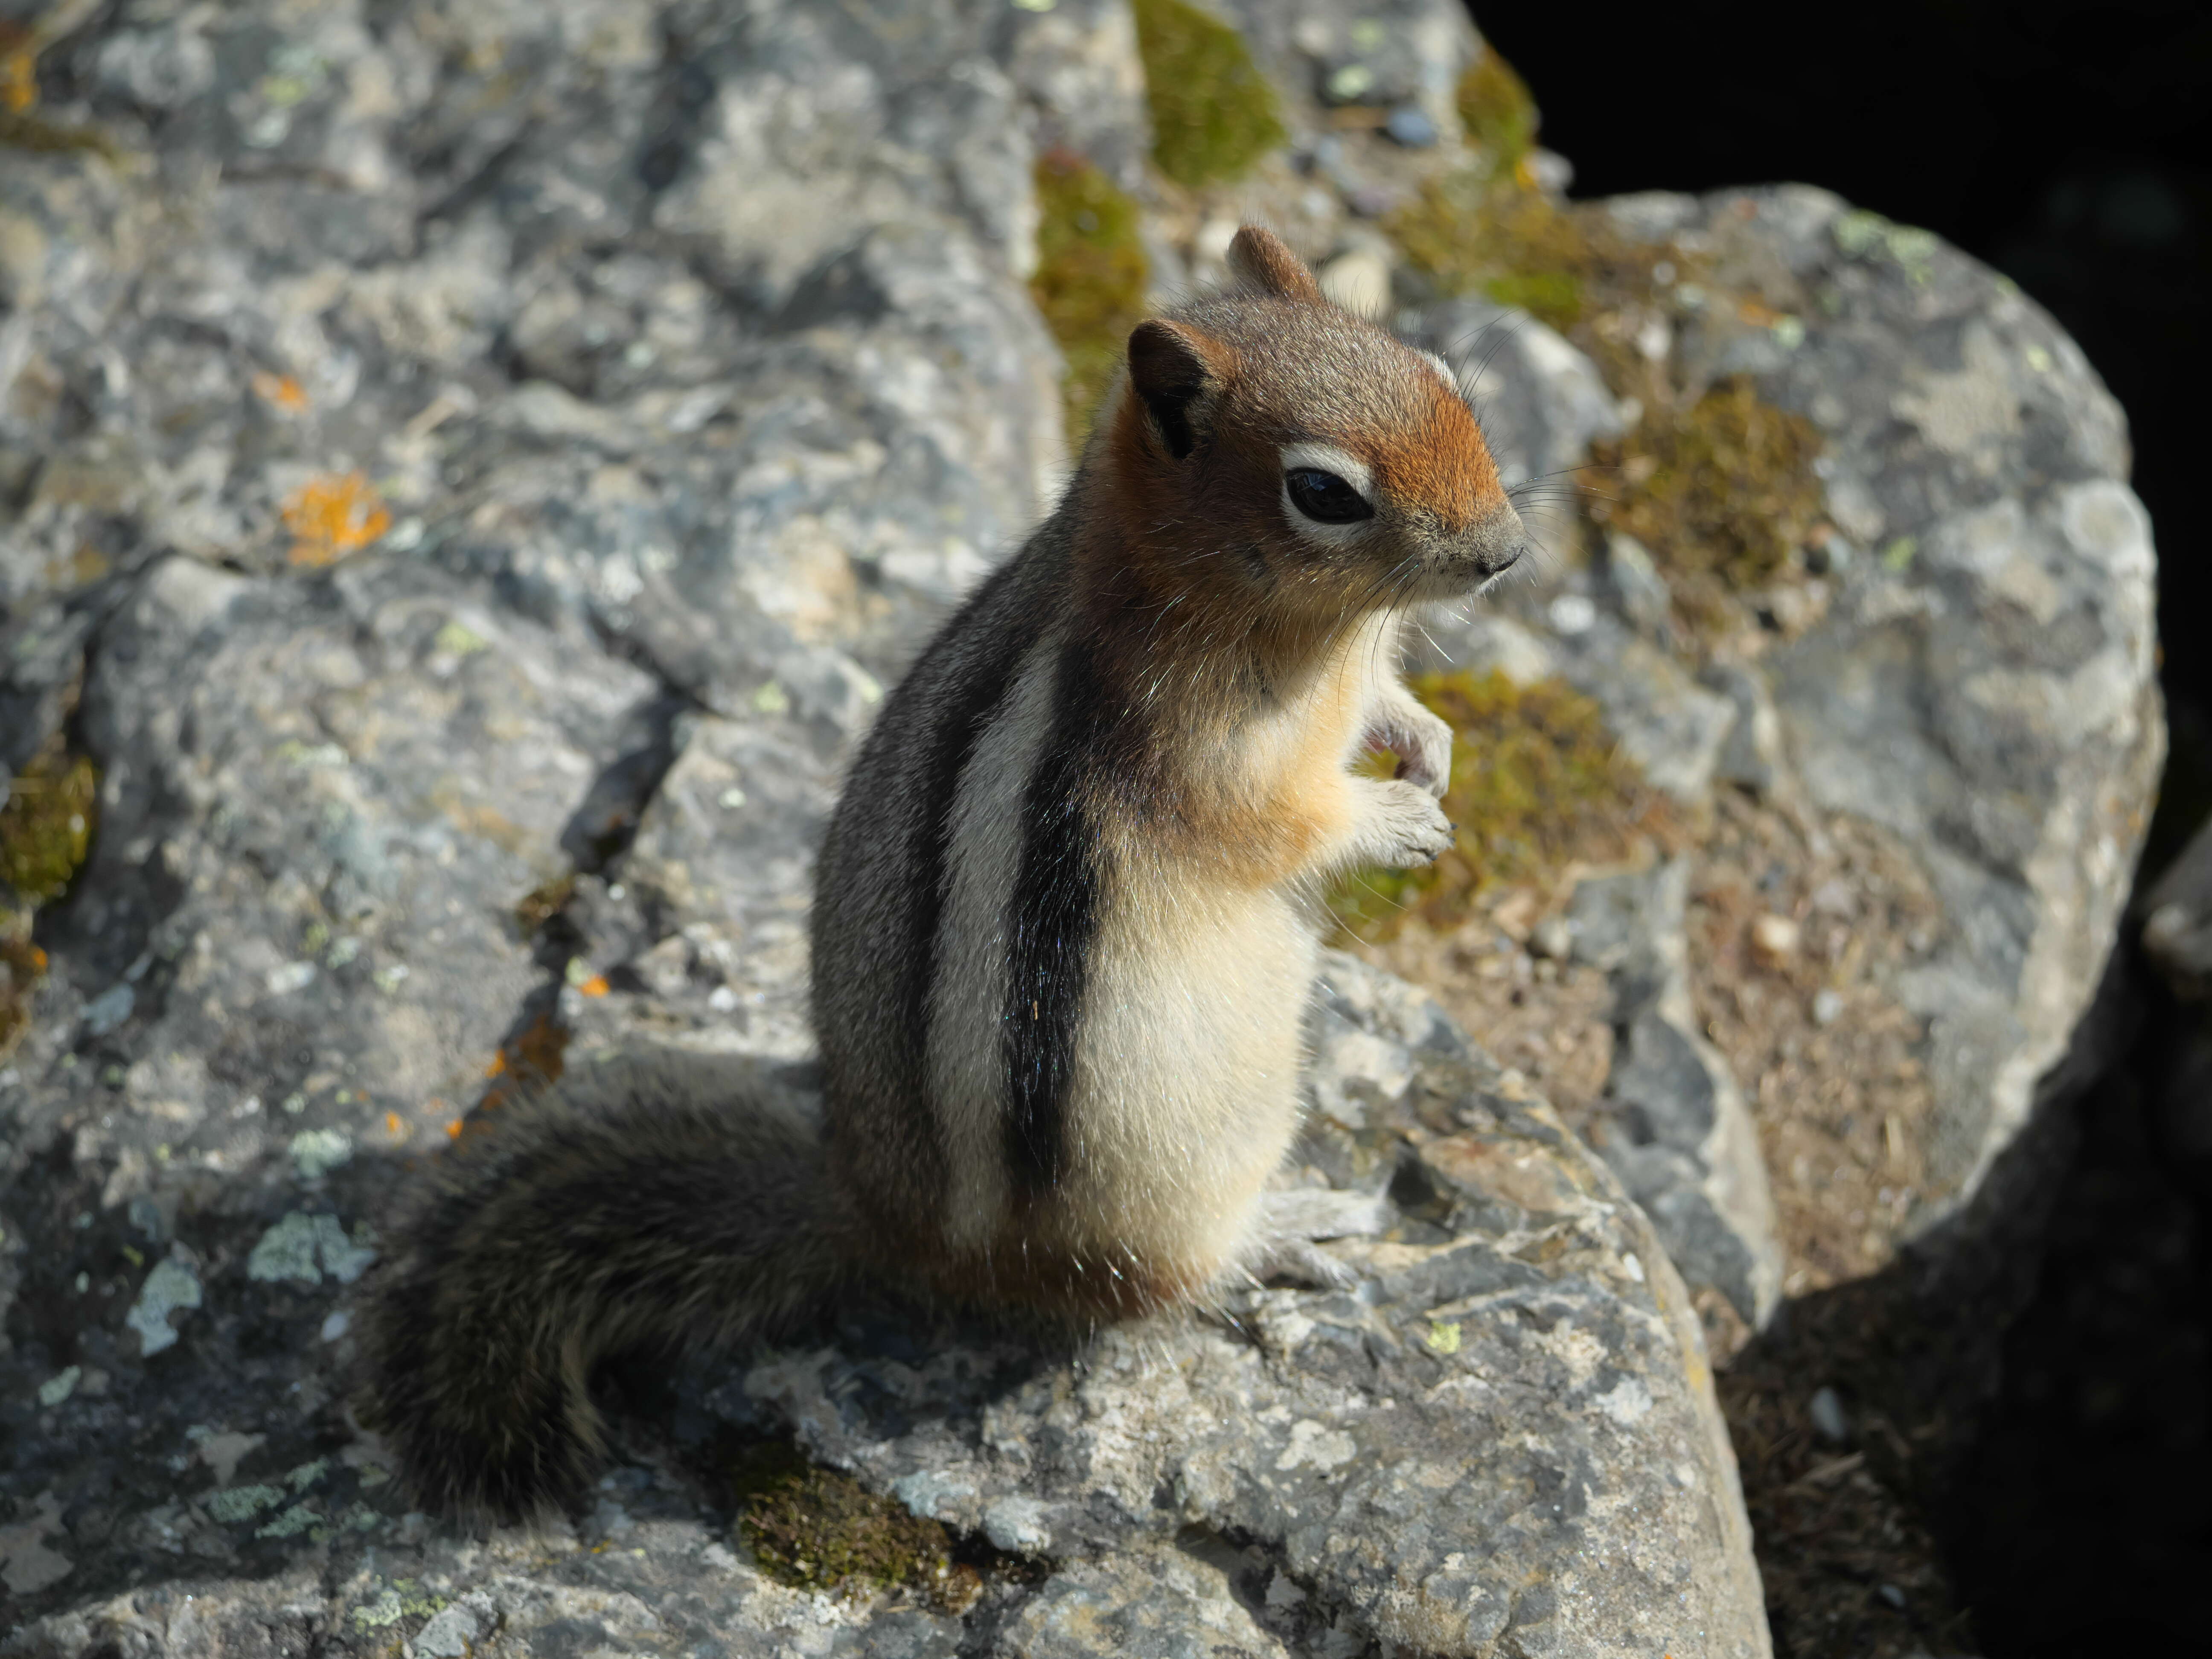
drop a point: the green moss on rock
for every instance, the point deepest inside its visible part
(1213, 112)
(1090, 277)
(816, 1529)
(46, 825)
(22, 965)
(543, 903)
(1477, 231)
(1498, 111)
(44, 138)
(1537, 785)
(1484, 227)
(1723, 492)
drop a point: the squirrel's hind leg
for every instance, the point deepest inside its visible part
(1284, 1243)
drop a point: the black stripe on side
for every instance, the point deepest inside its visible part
(951, 743)
(1055, 917)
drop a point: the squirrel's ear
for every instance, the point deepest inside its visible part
(1176, 371)
(1258, 258)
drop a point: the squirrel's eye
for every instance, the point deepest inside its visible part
(1324, 497)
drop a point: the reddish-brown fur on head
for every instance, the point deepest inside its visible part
(1223, 396)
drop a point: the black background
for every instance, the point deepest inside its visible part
(2071, 146)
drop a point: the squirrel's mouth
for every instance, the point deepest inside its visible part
(1465, 560)
(1464, 571)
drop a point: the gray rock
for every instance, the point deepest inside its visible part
(2176, 920)
(832, 216)
(2177, 938)
(1830, 1421)
(1986, 687)
(686, 362)
(1411, 126)
(1754, 758)
(723, 863)
(1672, 728)
(1503, 1439)
(1672, 1124)
(1636, 589)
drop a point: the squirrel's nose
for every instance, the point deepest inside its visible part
(1493, 564)
(1499, 542)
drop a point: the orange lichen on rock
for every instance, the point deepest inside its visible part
(530, 1060)
(331, 517)
(19, 69)
(281, 390)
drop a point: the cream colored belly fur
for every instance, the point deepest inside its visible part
(1186, 1075)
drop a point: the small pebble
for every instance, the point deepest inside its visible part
(289, 977)
(1891, 1594)
(1827, 1007)
(1552, 938)
(1212, 244)
(1834, 897)
(107, 1011)
(1573, 613)
(1360, 281)
(1831, 558)
(1349, 84)
(1369, 201)
(1774, 940)
(1829, 1420)
(1410, 126)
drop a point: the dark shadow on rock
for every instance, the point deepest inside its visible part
(606, 820)
(246, 1399)
(1858, 1414)
(842, 289)
(2023, 1398)
(2077, 1520)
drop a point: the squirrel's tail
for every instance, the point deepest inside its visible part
(664, 1202)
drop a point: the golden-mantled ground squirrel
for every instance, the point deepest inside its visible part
(1065, 921)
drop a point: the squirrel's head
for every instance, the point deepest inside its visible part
(1271, 440)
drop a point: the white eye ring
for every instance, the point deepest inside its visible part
(1327, 458)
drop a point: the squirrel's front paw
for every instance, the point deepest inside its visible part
(1409, 828)
(1422, 742)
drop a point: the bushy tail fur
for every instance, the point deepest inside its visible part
(664, 1202)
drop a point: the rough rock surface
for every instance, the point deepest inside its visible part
(1690, 1158)
(1985, 687)
(472, 471)
(468, 472)
(1502, 1441)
